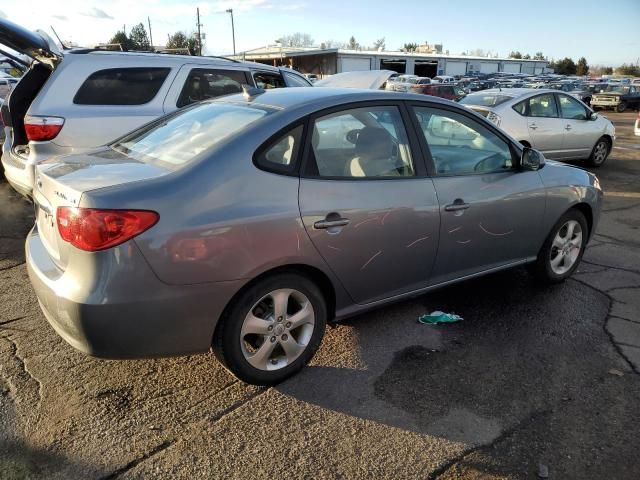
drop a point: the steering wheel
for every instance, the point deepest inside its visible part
(489, 164)
(352, 135)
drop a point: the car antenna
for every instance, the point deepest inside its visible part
(250, 92)
(64, 47)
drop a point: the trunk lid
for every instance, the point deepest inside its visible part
(37, 45)
(61, 182)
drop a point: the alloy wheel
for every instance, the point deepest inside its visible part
(277, 329)
(600, 152)
(566, 247)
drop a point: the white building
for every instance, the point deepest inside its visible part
(336, 60)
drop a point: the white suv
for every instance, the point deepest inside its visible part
(76, 100)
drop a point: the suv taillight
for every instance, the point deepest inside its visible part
(41, 129)
(94, 229)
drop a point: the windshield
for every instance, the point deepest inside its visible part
(178, 139)
(617, 88)
(485, 99)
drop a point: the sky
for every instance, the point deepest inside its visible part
(605, 33)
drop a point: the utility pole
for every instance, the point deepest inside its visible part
(233, 31)
(150, 36)
(199, 35)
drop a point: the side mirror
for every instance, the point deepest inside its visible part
(593, 116)
(531, 159)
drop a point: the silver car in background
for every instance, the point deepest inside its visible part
(247, 222)
(76, 100)
(555, 123)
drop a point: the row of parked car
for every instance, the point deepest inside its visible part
(184, 204)
(604, 93)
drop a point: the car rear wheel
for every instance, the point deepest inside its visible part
(599, 153)
(622, 106)
(272, 330)
(563, 249)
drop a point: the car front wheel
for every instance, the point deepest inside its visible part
(599, 153)
(563, 249)
(622, 106)
(272, 330)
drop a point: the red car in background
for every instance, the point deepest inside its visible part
(450, 92)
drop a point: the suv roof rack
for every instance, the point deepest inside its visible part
(83, 51)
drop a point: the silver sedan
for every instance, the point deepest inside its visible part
(556, 123)
(247, 223)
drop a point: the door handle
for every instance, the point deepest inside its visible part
(568, 127)
(338, 222)
(533, 126)
(457, 205)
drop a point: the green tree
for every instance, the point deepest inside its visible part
(566, 66)
(353, 44)
(410, 47)
(526, 57)
(630, 69)
(124, 41)
(181, 40)
(582, 68)
(607, 71)
(515, 54)
(139, 38)
(539, 56)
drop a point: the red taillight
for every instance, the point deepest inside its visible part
(40, 129)
(95, 229)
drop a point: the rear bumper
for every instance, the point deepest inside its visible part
(116, 308)
(18, 173)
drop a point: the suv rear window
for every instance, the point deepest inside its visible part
(121, 86)
(202, 84)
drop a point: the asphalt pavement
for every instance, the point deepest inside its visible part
(536, 381)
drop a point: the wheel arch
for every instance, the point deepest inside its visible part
(314, 274)
(587, 211)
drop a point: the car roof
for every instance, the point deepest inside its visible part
(321, 97)
(168, 58)
(516, 92)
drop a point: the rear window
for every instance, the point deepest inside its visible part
(179, 138)
(485, 100)
(121, 86)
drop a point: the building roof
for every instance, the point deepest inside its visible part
(274, 51)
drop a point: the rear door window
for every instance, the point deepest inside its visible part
(267, 80)
(294, 80)
(542, 106)
(205, 83)
(361, 143)
(121, 86)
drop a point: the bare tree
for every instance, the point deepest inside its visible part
(379, 44)
(297, 39)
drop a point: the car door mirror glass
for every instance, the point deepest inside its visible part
(593, 116)
(531, 159)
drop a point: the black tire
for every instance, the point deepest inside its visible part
(227, 340)
(596, 159)
(622, 106)
(542, 269)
